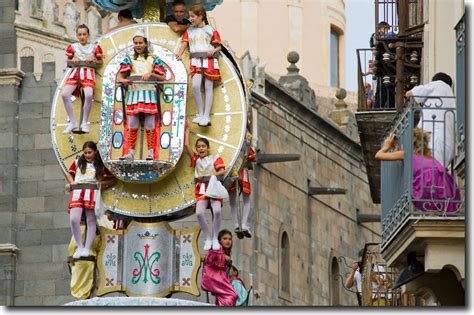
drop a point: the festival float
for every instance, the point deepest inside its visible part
(148, 258)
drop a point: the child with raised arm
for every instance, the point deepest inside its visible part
(216, 271)
(142, 97)
(88, 53)
(205, 165)
(204, 43)
(85, 177)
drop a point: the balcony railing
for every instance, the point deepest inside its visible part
(381, 94)
(460, 87)
(418, 186)
(404, 17)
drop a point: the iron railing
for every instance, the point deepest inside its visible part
(460, 86)
(381, 95)
(404, 195)
(404, 17)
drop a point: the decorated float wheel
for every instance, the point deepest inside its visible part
(163, 187)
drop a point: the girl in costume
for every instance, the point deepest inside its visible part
(141, 98)
(431, 181)
(216, 271)
(88, 53)
(204, 43)
(244, 185)
(86, 176)
(205, 165)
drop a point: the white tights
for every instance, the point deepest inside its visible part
(233, 208)
(201, 207)
(134, 121)
(208, 89)
(75, 221)
(66, 95)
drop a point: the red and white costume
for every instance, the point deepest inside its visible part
(82, 198)
(205, 167)
(244, 179)
(86, 75)
(202, 40)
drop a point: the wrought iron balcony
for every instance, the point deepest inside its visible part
(409, 188)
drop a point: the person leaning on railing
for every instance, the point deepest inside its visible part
(434, 188)
(438, 101)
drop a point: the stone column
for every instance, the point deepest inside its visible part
(10, 78)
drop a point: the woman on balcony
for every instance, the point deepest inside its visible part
(434, 189)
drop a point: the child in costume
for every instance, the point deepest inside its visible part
(86, 176)
(239, 287)
(204, 43)
(89, 53)
(244, 185)
(143, 97)
(216, 269)
(205, 165)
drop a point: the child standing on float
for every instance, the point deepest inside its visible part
(204, 43)
(205, 165)
(77, 52)
(141, 98)
(87, 175)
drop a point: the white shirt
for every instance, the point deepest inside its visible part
(442, 141)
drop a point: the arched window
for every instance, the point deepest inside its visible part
(334, 282)
(285, 264)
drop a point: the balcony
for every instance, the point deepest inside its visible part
(423, 217)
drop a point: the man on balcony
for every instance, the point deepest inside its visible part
(438, 115)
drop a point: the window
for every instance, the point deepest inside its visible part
(285, 264)
(335, 282)
(334, 47)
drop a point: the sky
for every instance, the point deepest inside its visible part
(360, 21)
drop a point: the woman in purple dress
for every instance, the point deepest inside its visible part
(434, 188)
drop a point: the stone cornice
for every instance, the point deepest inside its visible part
(8, 249)
(11, 77)
(39, 36)
(416, 230)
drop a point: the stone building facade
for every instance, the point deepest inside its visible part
(297, 237)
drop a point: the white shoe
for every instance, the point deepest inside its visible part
(85, 252)
(208, 244)
(69, 128)
(85, 128)
(151, 155)
(204, 122)
(216, 245)
(77, 253)
(128, 156)
(197, 119)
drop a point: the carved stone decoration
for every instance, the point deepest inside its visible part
(27, 52)
(148, 259)
(296, 84)
(48, 58)
(71, 19)
(48, 10)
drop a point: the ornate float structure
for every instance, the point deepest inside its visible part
(162, 189)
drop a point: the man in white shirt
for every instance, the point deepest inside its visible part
(438, 100)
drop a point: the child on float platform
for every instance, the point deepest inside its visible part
(204, 43)
(77, 52)
(143, 97)
(86, 176)
(205, 165)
